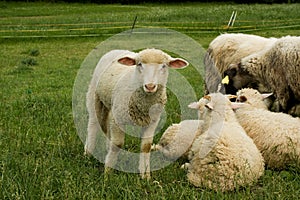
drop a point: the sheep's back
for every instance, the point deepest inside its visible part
(229, 49)
(109, 72)
(277, 135)
(177, 139)
(233, 160)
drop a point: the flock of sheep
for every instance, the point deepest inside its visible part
(230, 143)
(265, 64)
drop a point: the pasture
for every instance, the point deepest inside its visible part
(42, 46)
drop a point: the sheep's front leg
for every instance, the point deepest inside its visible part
(116, 142)
(146, 143)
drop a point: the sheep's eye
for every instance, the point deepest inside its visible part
(242, 99)
(140, 67)
(163, 68)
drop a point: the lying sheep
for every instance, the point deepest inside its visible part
(128, 88)
(277, 135)
(278, 69)
(222, 55)
(178, 138)
(224, 156)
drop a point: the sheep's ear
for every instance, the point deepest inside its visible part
(207, 97)
(194, 105)
(209, 105)
(236, 105)
(230, 96)
(266, 95)
(178, 63)
(127, 61)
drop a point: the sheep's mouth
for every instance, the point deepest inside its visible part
(159, 90)
(150, 88)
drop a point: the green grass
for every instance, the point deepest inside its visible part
(42, 48)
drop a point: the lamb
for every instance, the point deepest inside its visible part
(278, 69)
(222, 55)
(223, 157)
(177, 139)
(277, 135)
(128, 88)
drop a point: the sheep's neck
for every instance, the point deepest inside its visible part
(144, 106)
(219, 116)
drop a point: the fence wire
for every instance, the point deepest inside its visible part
(94, 29)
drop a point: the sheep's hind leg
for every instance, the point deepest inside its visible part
(102, 113)
(103, 116)
(116, 142)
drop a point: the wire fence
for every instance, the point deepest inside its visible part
(93, 29)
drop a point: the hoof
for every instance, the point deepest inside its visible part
(154, 147)
(146, 175)
(108, 170)
(185, 166)
(86, 152)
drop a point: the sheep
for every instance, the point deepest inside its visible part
(277, 135)
(128, 88)
(278, 69)
(177, 139)
(223, 157)
(222, 55)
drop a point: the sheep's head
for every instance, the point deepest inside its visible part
(152, 67)
(237, 78)
(252, 97)
(213, 102)
(200, 106)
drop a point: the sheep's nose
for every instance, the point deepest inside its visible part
(150, 87)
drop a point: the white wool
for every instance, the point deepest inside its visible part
(223, 157)
(128, 88)
(277, 135)
(226, 51)
(177, 139)
(277, 68)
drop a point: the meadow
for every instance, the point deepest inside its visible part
(42, 47)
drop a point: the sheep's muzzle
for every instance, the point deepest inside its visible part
(150, 88)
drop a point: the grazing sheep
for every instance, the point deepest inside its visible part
(222, 55)
(278, 69)
(178, 138)
(224, 157)
(128, 88)
(277, 135)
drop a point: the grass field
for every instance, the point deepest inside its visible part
(42, 48)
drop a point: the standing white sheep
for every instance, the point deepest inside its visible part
(278, 69)
(222, 55)
(177, 139)
(224, 156)
(277, 135)
(128, 88)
